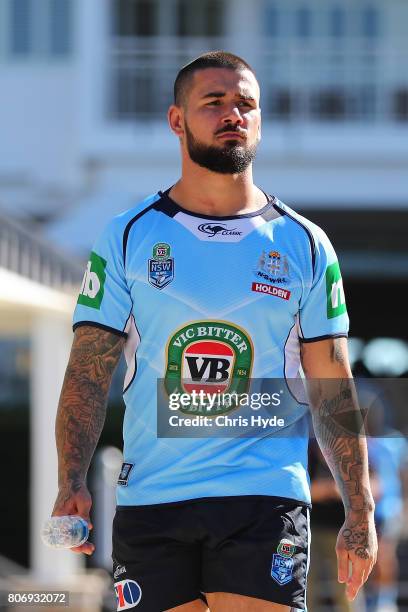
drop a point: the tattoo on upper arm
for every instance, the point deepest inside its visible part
(337, 353)
(82, 407)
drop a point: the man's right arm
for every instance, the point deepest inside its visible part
(81, 415)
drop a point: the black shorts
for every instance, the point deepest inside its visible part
(166, 555)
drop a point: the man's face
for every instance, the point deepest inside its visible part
(222, 119)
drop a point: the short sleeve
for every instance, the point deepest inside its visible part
(104, 299)
(323, 312)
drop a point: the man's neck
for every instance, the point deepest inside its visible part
(218, 195)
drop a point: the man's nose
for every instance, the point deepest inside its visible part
(233, 115)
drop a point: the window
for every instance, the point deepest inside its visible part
(40, 27)
(135, 17)
(401, 105)
(281, 104)
(337, 22)
(303, 22)
(21, 27)
(200, 18)
(60, 27)
(142, 70)
(270, 22)
(138, 18)
(329, 104)
(370, 22)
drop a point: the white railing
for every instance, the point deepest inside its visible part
(314, 81)
(26, 254)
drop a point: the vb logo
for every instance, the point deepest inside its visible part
(208, 362)
(93, 282)
(209, 356)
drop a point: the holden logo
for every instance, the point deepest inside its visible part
(208, 356)
(213, 229)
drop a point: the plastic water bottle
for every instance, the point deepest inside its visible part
(65, 531)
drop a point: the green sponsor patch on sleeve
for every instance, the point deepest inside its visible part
(336, 302)
(93, 283)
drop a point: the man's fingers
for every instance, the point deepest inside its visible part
(359, 573)
(342, 565)
(87, 548)
(84, 504)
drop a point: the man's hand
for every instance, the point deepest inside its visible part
(80, 417)
(75, 499)
(356, 550)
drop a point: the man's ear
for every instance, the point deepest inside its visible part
(175, 118)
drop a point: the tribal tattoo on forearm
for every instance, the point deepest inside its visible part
(82, 406)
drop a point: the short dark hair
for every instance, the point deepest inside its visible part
(212, 59)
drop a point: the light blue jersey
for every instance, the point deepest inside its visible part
(196, 297)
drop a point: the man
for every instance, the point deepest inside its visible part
(210, 280)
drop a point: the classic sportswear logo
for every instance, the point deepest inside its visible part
(336, 302)
(214, 229)
(93, 282)
(212, 356)
(121, 569)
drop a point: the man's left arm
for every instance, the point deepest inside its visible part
(337, 422)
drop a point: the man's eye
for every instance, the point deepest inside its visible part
(215, 102)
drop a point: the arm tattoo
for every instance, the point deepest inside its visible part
(82, 406)
(336, 352)
(339, 430)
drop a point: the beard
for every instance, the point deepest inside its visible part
(233, 158)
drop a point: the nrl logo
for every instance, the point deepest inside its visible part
(214, 229)
(161, 266)
(209, 356)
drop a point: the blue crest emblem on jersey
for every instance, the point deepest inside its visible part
(161, 266)
(282, 569)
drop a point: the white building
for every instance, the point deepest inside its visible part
(86, 84)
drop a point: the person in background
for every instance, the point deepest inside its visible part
(388, 456)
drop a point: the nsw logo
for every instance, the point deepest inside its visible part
(218, 229)
(92, 288)
(208, 356)
(160, 270)
(128, 594)
(272, 266)
(282, 569)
